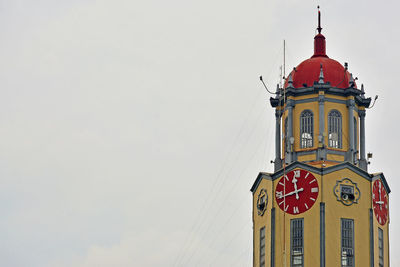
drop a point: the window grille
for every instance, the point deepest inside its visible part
(262, 247)
(296, 243)
(306, 129)
(335, 129)
(380, 245)
(347, 252)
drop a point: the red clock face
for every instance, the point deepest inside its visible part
(380, 202)
(296, 192)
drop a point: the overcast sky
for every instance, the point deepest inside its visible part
(132, 131)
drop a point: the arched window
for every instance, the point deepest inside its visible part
(306, 129)
(335, 129)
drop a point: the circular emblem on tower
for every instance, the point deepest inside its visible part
(346, 192)
(262, 202)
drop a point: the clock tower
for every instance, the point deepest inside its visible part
(321, 206)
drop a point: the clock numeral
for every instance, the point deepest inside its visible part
(313, 199)
(312, 181)
(307, 175)
(314, 190)
(286, 208)
(279, 194)
(305, 204)
(295, 210)
(296, 173)
(287, 179)
(282, 184)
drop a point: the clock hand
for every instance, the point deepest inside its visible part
(291, 193)
(294, 181)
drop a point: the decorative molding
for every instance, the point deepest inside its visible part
(383, 179)
(347, 192)
(343, 165)
(328, 90)
(306, 152)
(290, 103)
(327, 170)
(335, 152)
(261, 175)
(334, 100)
(316, 99)
(351, 103)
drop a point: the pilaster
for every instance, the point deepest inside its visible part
(363, 161)
(290, 139)
(350, 134)
(322, 234)
(278, 161)
(321, 153)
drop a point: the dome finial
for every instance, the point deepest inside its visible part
(319, 40)
(319, 21)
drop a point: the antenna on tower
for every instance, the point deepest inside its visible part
(284, 59)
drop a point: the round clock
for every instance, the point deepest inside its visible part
(380, 202)
(296, 192)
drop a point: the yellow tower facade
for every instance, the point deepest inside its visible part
(320, 207)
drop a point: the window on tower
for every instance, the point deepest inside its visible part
(347, 252)
(380, 245)
(306, 129)
(335, 129)
(262, 247)
(296, 243)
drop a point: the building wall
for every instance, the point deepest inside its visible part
(334, 211)
(261, 221)
(359, 212)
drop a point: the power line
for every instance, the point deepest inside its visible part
(200, 219)
(219, 190)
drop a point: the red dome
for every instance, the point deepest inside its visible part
(309, 70)
(305, 74)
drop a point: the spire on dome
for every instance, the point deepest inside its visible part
(351, 82)
(290, 81)
(319, 21)
(319, 40)
(321, 76)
